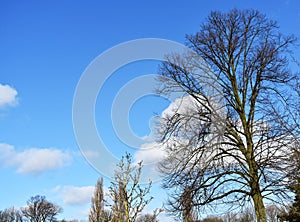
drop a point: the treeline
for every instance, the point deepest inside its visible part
(127, 199)
(274, 214)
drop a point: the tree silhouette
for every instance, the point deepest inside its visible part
(97, 210)
(229, 144)
(38, 209)
(128, 195)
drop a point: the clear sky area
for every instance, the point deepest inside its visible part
(45, 49)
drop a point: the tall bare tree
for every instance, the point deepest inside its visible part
(97, 211)
(128, 195)
(39, 209)
(228, 146)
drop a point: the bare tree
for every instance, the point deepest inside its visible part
(273, 213)
(11, 215)
(147, 218)
(230, 217)
(247, 215)
(292, 212)
(150, 217)
(295, 185)
(38, 209)
(97, 211)
(128, 195)
(210, 219)
(228, 146)
(186, 200)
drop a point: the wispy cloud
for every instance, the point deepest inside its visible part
(73, 195)
(8, 96)
(33, 160)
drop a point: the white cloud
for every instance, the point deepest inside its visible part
(182, 105)
(8, 96)
(33, 160)
(150, 153)
(73, 195)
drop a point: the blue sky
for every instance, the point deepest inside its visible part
(45, 46)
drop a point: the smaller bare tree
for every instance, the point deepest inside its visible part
(128, 195)
(292, 213)
(11, 215)
(273, 213)
(211, 219)
(230, 217)
(147, 218)
(38, 209)
(247, 215)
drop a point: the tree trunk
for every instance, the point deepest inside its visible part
(259, 207)
(260, 210)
